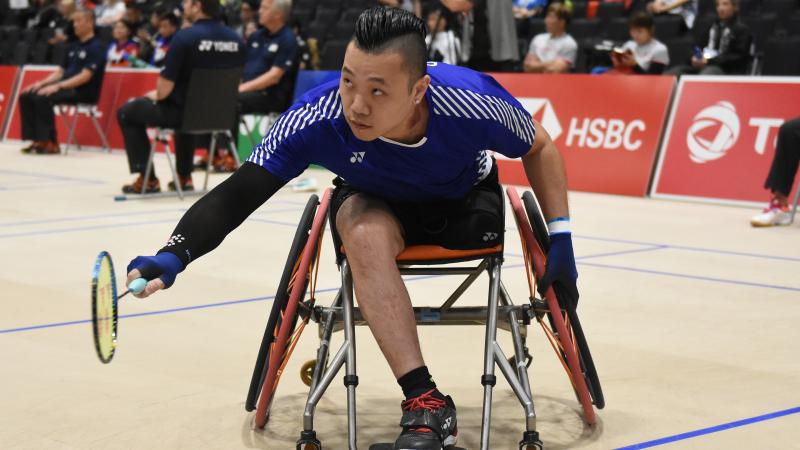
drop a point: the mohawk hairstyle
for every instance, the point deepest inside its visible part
(381, 29)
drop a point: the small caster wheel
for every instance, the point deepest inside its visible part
(308, 441)
(307, 371)
(530, 441)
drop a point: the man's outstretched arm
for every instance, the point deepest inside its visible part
(205, 225)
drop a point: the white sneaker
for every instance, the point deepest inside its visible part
(774, 214)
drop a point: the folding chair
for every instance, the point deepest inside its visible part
(210, 109)
(90, 111)
(294, 305)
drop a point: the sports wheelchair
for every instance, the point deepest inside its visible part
(294, 306)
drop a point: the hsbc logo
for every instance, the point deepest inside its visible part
(717, 128)
(587, 132)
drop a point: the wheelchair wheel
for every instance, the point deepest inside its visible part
(567, 305)
(561, 337)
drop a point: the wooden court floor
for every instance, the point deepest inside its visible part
(693, 318)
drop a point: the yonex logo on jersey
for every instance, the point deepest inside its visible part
(357, 157)
(218, 46)
(489, 236)
(721, 118)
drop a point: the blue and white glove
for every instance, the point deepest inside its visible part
(164, 266)
(560, 268)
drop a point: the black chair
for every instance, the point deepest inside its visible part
(680, 50)
(617, 29)
(706, 7)
(38, 54)
(700, 29)
(302, 16)
(330, 3)
(59, 53)
(581, 29)
(318, 30)
(761, 27)
(19, 56)
(332, 54)
(782, 8)
(793, 25)
(782, 57)
(11, 35)
(610, 10)
(29, 36)
(578, 10)
(304, 4)
(537, 27)
(211, 106)
(668, 27)
(327, 14)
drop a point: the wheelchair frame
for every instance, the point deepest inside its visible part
(290, 315)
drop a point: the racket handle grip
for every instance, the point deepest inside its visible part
(136, 286)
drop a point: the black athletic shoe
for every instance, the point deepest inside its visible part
(429, 423)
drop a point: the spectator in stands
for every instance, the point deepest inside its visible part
(62, 25)
(554, 51)
(43, 13)
(409, 5)
(133, 15)
(489, 35)
(643, 54)
(687, 9)
(727, 45)
(781, 176)
(123, 46)
(165, 106)
(167, 27)
(109, 12)
(247, 15)
(77, 80)
(443, 45)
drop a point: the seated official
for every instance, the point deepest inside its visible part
(268, 72)
(77, 80)
(207, 44)
(554, 51)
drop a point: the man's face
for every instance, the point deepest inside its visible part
(553, 24)
(166, 29)
(82, 24)
(725, 9)
(267, 15)
(376, 98)
(191, 10)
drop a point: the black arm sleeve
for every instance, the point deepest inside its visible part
(219, 212)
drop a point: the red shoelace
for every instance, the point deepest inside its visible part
(424, 401)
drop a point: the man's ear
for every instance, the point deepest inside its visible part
(418, 91)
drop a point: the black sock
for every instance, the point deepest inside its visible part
(418, 382)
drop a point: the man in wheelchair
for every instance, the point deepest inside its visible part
(409, 141)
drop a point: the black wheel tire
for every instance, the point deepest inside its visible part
(280, 301)
(587, 363)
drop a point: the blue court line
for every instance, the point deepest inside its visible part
(130, 224)
(710, 430)
(49, 176)
(689, 248)
(692, 277)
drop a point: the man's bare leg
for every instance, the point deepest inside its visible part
(373, 238)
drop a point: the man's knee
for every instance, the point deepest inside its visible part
(366, 226)
(128, 112)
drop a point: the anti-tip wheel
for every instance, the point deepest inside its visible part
(307, 371)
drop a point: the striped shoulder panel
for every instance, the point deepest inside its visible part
(457, 102)
(328, 106)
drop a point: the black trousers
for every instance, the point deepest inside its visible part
(787, 156)
(135, 116)
(38, 118)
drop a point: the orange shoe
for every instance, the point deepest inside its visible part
(153, 186)
(225, 163)
(48, 148)
(186, 183)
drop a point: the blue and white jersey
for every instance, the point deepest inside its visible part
(470, 115)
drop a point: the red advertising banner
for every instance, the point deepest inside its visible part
(721, 137)
(119, 85)
(8, 75)
(607, 128)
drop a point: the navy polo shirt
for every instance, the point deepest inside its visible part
(265, 50)
(90, 55)
(208, 44)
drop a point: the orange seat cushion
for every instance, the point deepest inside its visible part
(439, 253)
